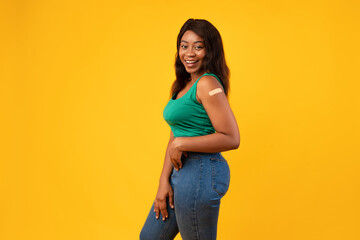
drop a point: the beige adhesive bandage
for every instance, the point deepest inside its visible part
(215, 91)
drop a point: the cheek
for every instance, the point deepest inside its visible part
(181, 52)
(202, 54)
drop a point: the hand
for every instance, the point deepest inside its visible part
(175, 153)
(165, 190)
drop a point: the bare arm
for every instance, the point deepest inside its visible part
(226, 137)
(167, 167)
(165, 190)
(217, 107)
(216, 142)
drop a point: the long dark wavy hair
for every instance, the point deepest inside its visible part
(214, 60)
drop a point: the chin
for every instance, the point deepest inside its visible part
(192, 70)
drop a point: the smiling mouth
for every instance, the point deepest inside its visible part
(187, 61)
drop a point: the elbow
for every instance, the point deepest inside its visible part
(235, 143)
(235, 139)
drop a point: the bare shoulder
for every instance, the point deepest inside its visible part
(207, 85)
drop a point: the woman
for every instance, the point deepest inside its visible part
(195, 175)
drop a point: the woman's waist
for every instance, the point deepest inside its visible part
(198, 155)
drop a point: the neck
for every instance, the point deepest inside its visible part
(195, 76)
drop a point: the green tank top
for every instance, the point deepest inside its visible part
(186, 116)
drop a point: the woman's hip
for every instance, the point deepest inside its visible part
(205, 175)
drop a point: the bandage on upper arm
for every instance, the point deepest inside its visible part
(215, 91)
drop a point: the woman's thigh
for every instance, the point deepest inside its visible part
(198, 188)
(157, 229)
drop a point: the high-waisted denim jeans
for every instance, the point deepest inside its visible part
(198, 187)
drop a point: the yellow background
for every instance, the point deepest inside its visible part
(83, 86)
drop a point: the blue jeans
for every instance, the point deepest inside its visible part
(198, 187)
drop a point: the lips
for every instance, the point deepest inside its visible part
(191, 63)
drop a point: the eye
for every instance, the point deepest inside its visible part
(183, 46)
(199, 47)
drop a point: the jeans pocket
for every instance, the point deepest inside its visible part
(220, 175)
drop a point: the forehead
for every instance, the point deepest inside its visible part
(190, 36)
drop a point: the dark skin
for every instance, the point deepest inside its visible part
(226, 137)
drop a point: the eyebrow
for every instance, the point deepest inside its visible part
(194, 42)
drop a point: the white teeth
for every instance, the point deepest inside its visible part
(190, 61)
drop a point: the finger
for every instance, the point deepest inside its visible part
(175, 164)
(171, 199)
(156, 210)
(164, 214)
(179, 163)
(163, 210)
(185, 153)
(157, 213)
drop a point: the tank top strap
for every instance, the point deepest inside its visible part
(192, 94)
(211, 74)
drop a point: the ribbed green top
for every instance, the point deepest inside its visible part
(186, 116)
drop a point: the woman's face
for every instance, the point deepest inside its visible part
(192, 52)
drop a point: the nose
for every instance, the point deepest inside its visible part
(190, 52)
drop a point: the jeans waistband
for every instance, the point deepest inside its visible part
(203, 154)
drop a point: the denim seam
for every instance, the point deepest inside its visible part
(166, 232)
(213, 179)
(163, 235)
(195, 203)
(218, 159)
